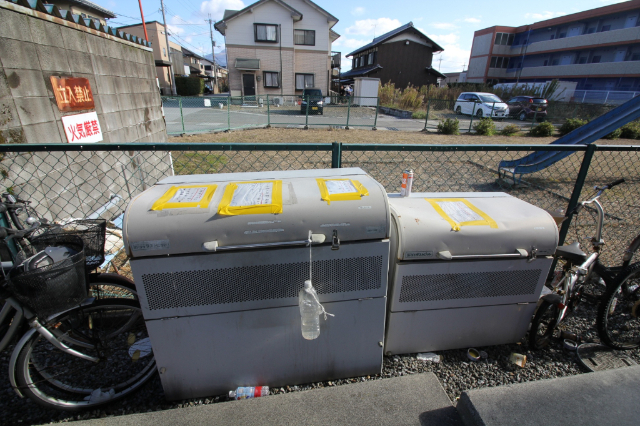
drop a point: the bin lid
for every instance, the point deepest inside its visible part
(234, 211)
(450, 226)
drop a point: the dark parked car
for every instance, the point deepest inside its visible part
(525, 107)
(316, 101)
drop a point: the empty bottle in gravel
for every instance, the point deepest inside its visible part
(249, 392)
(310, 311)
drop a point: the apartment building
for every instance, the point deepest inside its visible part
(599, 49)
(278, 47)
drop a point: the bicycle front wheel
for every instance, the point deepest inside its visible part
(617, 322)
(543, 325)
(111, 330)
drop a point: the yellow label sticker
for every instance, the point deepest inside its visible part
(260, 197)
(191, 196)
(460, 212)
(341, 190)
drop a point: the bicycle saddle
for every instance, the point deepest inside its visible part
(572, 253)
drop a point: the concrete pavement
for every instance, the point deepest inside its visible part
(409, 400)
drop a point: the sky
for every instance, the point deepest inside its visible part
(450, 24)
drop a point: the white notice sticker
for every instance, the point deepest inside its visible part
(188, 195)
(252, 194)
(340, 187)
(459, 211)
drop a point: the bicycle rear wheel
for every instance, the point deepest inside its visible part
(112, 330)
(543, 325)
(617, 321)
(104, 286)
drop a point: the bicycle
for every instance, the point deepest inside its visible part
(100, 285)
(578, 268)
(79, 352)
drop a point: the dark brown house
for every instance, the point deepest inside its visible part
(402, 56)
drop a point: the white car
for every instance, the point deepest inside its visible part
(481, 105)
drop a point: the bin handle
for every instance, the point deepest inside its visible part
(313, 239)
(446, 255)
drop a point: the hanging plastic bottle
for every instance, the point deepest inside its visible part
(249, 392)
(310, 311)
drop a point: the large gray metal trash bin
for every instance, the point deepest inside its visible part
(219, 292)
(466, 269)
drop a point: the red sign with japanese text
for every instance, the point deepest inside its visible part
(72, 94)
(82, 128)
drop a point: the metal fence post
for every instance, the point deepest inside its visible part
(375, 120)
(306, 120)
(348, 112)
(268, 114)
(426, 120)
(228, 112)
(181, 114)
(472, 114)
(535, 115)
(336, 155)
(577, 190)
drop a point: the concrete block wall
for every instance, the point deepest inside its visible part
(35, 46)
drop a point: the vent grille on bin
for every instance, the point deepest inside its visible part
(423, 288)
(260, 282)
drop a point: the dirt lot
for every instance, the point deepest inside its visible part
(280, 135)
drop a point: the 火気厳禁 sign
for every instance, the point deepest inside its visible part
(82, 128)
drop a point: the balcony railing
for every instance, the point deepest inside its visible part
(630, 35)
(579, 70)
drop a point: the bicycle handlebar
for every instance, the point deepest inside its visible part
(614, 183)
(7, 233)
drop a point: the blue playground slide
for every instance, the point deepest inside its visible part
(583, 135)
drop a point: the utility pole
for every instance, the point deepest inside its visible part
(166, 37)
(213, 56)
(439, 62)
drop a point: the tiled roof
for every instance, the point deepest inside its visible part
(359, 72)
(391, 34)
(94, 6)
(53, 10)
(435, 72)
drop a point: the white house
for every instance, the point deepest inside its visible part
(278, 47)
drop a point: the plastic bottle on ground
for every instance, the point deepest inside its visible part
(310, 311)
(249, 392)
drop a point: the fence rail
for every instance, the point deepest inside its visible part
(217, 113)
(64, 180)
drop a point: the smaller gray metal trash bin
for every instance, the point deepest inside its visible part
(466, 269)
(219, 260)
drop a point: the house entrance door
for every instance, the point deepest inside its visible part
(249, 85)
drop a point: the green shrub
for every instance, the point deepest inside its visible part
(449, 127)
(509, 130)
(613, 135)
(485, 127)
(570, 125)
(189, 86)
(420, 115)
(631, 130)
(543, 130)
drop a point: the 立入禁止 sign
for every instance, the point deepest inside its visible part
(72, 94)
(81, 128)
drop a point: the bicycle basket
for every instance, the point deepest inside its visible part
(92, 232)
(56, 287)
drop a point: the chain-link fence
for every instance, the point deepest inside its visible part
(65, 181)
(218, 113)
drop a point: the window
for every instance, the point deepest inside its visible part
(271, 79)
(355, 63)
(499, 62)
(504, 39)
(164, 51)
(545, 63)
(605, 28)
(582, 60)
(562, 35)
(304, 81)
(362, 61)
(370, 59)
(591, 30)
(304, 37)
(595, 60)
(635, 57)
(554, 62)
(266, 33)
(552, 36)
